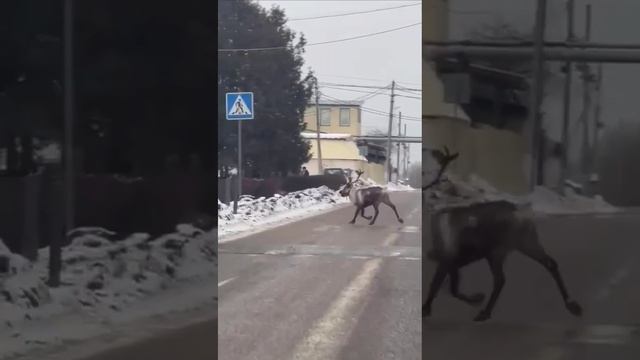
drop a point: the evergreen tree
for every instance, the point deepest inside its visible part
(271, 142)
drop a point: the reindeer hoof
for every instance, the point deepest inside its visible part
(476, 299)
(371, 223)
(401, 221)
(574, 308)
(482, 316)
(352, 222)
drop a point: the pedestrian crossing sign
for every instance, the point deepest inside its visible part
(239, 106)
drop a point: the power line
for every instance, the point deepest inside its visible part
(376, 111)
(353, 90)
(409, 97)
(353, 13)
(373, 94)
(353, 85)
(368, 79)
(322, 42)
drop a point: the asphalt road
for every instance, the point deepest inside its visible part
(322, 288)
(195, 342)
(599, 257)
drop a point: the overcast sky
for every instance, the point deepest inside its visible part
(614, 21)
(375, 60)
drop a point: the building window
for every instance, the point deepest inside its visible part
(345, 117)
(325, 117)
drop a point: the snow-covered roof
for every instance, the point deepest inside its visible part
(329, 136)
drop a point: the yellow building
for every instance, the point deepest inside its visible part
(336, 117)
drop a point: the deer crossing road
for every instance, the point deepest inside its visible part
(600, 259)
(322, 288)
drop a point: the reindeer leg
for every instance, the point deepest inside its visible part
(496, 262)
(363, 215)
(473, 299)
(375, 215)
(387, 201)
(353, 221)
(532, 249)
(436, 283)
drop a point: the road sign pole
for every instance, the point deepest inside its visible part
(239, 107)
(239, 192)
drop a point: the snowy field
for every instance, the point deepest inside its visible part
(104, 283)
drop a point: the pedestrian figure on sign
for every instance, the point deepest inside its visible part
(239, 108)
(305, 172)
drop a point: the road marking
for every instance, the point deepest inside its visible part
(410, 229)
(326, 228)
(617, 277)
(605, 334)
(223, 282)
(390, 239)
(326, 337)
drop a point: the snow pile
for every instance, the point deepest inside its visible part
(252, 211)
(391, 186)
(100, 275)
(549, 202)
(455, 192)
(399, 187)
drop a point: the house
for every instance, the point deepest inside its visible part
(340, 121)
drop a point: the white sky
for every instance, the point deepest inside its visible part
(375, 60)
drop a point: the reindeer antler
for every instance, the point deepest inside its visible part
(359, 172)
(443, 159)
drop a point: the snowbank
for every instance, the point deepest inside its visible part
(278, 209)
(399, 187)
(546, 201)
(455, 192)
(101, 277)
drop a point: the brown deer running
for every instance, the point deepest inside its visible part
(363, 197)
(490, 231)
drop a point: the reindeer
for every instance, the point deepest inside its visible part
(489, 230)
(363, 197)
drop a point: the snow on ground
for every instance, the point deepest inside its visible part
(399, 187)
(259, 214)
(277, 210)
(549, 202)
(101, 280)
(453, 192)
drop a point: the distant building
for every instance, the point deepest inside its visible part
(340, 121)
(336, 117)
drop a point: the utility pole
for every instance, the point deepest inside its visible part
(536, 95)
(320, 170)
(586, 96)
(388, 162)
(567, 102)
(596, 121)
(404, 157)
(55, 248)
(398, 153)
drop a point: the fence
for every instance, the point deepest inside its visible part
(227, 187)
(31, 206)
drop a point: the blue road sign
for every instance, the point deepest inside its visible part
(239, 106)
